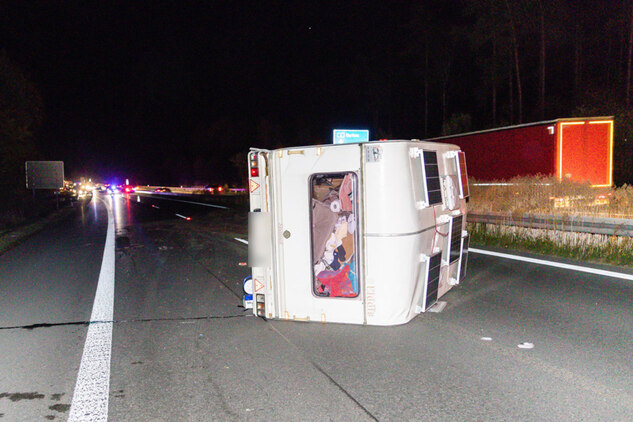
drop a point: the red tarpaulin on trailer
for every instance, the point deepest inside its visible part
(578, 149)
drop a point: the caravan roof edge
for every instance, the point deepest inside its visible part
(298, 147)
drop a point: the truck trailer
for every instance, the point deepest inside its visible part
(576, 149)
(363, 233)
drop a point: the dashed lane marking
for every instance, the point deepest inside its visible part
(241, 240)
(191, 202)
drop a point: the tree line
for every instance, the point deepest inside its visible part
(492, 63)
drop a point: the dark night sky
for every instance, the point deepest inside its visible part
(168, 92)
(121, 80)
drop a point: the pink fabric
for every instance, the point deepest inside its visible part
(337, 282)
(345, 191)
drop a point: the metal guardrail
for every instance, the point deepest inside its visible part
(594, 225)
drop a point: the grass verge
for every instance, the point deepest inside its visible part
(612, 250)
(13, 236)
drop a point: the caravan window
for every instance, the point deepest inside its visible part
(464, 192)
(431, 173)
(334, 235)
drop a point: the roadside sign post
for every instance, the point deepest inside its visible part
(44, 175)
(350, 136)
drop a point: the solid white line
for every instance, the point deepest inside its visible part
(589, 270)
(191, 202)
(241, 240)
(90, 398)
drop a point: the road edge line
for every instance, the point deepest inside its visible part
(92, 388)
(589, 270)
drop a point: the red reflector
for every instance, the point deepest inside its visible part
(254, 172)
(188, 218)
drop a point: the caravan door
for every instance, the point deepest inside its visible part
(317, 208)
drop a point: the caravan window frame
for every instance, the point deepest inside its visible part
(426, 177)
(355, 210)
(462, 174)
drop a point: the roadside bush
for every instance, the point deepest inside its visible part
(19, 209)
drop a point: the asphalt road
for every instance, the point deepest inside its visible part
(182, 348)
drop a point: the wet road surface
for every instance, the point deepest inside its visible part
(183, 349)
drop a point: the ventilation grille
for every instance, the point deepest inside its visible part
(456, 238)
(464, 259)
(432, 281)
(432, 178)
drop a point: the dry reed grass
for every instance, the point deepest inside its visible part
(546, 195)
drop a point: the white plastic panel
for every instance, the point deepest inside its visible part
(394, 283)
(394, 187)
(389, 189)
(293, 232)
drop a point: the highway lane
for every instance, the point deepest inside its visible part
(48, 279)
(187, 350)
(184, 349)
(465, 363)
(226, 367)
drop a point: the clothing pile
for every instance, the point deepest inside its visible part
(333, 235)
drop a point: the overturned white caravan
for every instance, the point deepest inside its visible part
(368, 233)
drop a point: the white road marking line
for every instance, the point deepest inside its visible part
(191, 202)
(589, 270)
(241, 240)
(90, 397)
